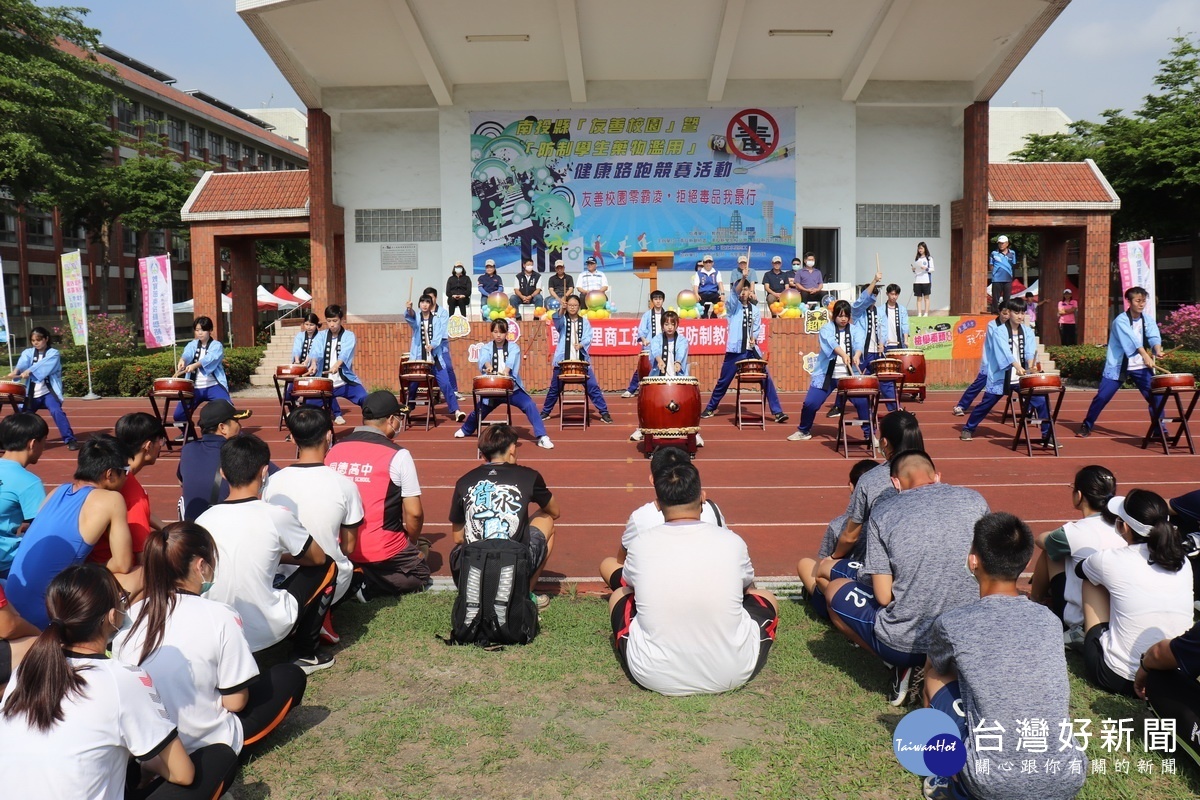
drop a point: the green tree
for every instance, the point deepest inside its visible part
(1152, 157)
(289, 256)
(54, 103)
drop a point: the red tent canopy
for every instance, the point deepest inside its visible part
(283, 294)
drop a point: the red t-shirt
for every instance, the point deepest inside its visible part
(137, 512)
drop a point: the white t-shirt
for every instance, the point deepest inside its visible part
(1147, 603)
(892, 324)
(1085, 537)
(116, 714)
(251, 536)
(1136, 361)
(201, 379)
(649, 516)
(691, 634)
(323, 500)
(203, 655)
(921, 269)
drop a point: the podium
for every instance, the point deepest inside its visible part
(647, 264)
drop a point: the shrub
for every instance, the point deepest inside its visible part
(133, 376)
(108, 337)
(1182, 327)
(1086, 362)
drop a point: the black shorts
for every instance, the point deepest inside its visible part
(764, 615)
(1094, 667)
(1058, 599)
(5, 660)
(922, 289)
(403, 573)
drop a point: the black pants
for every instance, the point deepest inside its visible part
(215, 765)
(1174, 695)
(1001, 292)
(453, 305)
(1067, 333)
(313, 589)
(273, 695)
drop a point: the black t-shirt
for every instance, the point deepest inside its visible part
(776, 281)
(492, 501)
(561, 285)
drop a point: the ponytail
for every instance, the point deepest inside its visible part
(166, 560)
(78, 601)
(1165, 544)
(1097, 485)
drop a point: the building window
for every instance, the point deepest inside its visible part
(276, 163)
(216, 146)
(8, 228)
(43, 293)
(196, 139)
(76, 239)
(158, 242)
(176, 133)
(128, 242)
(127, 116)
(233, 150)
(180, 249)
(154, 121)
(898, 221)
(262, 160)
(289, 165)
(397, 225)
(39, 228)
(250, 156)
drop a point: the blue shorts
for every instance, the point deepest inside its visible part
(856, 606)
(845, 568)
(948, 700)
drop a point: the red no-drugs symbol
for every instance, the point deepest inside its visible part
(752, 134)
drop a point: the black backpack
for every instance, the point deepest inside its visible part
(493, 605)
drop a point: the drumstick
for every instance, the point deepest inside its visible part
(410, 284)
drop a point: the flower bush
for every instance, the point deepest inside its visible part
(1183, 327)
(108, 337)
(132, 376)
(1086, 362)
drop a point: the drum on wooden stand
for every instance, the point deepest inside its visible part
(11, 391)
(889, 368)
(494, 385)
(573, 371)
(313, 388)
(669, 409)
(858, 385)
(173, 387)
(751, 369)
(414, 371)
(912, 364)
(1173, 380)
(1040, 382)
(290, 370)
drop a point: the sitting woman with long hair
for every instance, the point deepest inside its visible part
(195, 650)
(1134, 596)
(72, 718)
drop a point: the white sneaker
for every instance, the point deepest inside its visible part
(799, 436)
(626, 395)
(545, 443)
(460, 434)
(1073, 637)
(636, 436)
(339, 420)
(699, 440)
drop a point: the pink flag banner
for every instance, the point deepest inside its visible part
(1136, 263)
(158, 316)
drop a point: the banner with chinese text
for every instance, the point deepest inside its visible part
(1136, 263)
(606, 183)
(618, 337)
(3, 307)
(75, 296)
(944, 338)
(158, 314)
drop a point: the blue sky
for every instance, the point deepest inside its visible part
(1099, 54)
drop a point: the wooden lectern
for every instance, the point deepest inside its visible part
(646, 265)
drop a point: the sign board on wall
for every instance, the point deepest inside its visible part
(398, 256)
(608, 183)
(618, 337)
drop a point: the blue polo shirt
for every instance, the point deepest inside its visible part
(199, 474)
(21, 495)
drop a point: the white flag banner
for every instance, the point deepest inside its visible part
(158, 314)
(4, 332)
(75, 296)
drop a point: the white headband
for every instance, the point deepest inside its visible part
(1117, 506)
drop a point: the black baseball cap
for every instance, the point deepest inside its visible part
(217, 411)
(380, 405)
(590, 260)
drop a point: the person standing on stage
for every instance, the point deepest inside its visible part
(668, 356)
(1003, 262)
(809, 280)
(41, 368)
(574, 343)
(708, 286)
(592, 279)
(502, 357)
(203, 361)
(527, 293)
(841, 347)
(560, 286)
(334, 349)
(1008, 353)
(741, 342)
(1067, 308)
(1133, 344)
(458, 290)
(428, 334)
(922, 269)
(648, 328)
(775, 281)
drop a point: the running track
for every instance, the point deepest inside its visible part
(777, 495)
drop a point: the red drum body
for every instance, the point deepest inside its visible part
(752, 369)
(644, 364)
(669, 406)
(573, 371)
(290, 370)
(1040, 382)
(859, 385)
(413, 371)
(12, 389)
(912, 364)
(891, 368)
(1174, 380)
(312, 387)
(173, 387)
(493, 385)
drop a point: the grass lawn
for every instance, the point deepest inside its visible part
(403, 715)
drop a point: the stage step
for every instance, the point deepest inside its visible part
(278, 351)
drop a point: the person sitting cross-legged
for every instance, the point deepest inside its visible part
(688, 619)
(998, 659)
(22, 438)
(814, 588)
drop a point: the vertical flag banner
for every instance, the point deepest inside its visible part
(74, 296)
(609, 183)
(158, 314)
(4, 332)
(1136, 262)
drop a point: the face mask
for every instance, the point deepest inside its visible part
(810, 263)
(205, 586)
(529, 267)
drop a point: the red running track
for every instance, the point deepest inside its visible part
(777, 495)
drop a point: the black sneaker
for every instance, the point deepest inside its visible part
(314, 663)
(73, 444)
(545, 415)
(706, 413)
(1083, 432)
(781, 417)
(901, 682)
(606, 419)
(834, 413)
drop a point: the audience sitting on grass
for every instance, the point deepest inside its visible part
(73, 718)
(814, 587)
(912, 571)
(685, 615)
(195, 651)
(1055, 579)
(389, 550)
(142, 437)
(199, 468)
(492, 501)
(74, 517)
(1134, 596)
(1167, 680)
(16, 637)
(326, 502)
(22, 438)
(253, 538)
(998, 660)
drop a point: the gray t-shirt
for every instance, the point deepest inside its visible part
(832, 532)
(921, 538)
(1008, 654)
(873, 486)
